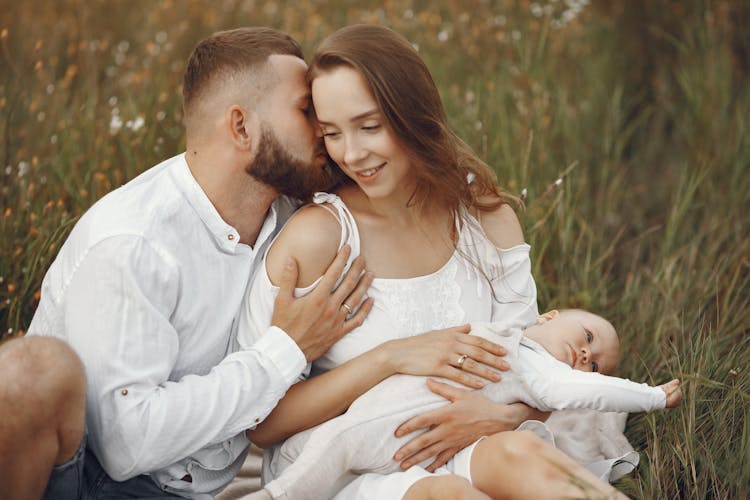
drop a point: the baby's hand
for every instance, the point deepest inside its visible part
(673, 392)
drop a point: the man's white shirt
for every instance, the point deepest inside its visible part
(147, 289)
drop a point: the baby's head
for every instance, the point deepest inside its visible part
(581, 339)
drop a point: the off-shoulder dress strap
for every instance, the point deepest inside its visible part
(349, 231)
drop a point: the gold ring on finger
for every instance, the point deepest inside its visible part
(460, 362)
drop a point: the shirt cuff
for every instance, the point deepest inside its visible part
(283, 352)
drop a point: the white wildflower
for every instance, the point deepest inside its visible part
(115, 123)
(443, 36)
(23, 168)
(136, 124)
(50, 89)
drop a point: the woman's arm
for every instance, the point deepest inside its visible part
(321, 398)
(471, 415)
(502, 226)
(313, 401)
(449, 429)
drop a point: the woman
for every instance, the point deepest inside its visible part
(445, 248)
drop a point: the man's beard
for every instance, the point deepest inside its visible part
(275, 167)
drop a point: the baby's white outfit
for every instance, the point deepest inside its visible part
(362, 439)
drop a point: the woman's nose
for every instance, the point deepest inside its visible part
(354, 152)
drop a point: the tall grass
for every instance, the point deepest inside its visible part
(639, 107)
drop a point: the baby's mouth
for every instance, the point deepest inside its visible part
(573, 356)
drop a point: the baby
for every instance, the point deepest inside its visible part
(560, 363)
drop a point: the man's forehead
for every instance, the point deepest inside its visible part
(288, 67)
(290, 72)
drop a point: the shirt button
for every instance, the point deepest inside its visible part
(230, 237)
(257, 420)
(124, 392)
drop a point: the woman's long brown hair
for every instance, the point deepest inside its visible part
(409, 100)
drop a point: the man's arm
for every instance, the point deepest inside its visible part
(117, 317)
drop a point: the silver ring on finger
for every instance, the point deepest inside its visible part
(347, 307)
(460, 362)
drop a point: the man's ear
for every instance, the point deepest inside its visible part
(239, 121)
(547, 316)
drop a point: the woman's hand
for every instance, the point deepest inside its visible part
(451, 428)
(450, 353)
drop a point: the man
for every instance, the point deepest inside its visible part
(146, 290)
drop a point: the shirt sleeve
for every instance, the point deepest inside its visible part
(556, 386)
(514, 304)
(117, 313)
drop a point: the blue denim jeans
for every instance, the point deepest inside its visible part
(82, 478)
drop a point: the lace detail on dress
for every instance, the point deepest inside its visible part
(424, 303)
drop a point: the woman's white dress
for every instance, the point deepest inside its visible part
(478, 283)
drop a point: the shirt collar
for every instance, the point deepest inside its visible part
(226, 236)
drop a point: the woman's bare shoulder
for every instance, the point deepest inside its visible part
(502, 226)
(311, 238)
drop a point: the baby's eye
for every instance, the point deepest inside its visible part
(589, 337)
(594, 366)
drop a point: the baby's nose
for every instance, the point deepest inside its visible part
(585, 355)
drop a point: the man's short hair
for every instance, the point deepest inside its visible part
(229, 52)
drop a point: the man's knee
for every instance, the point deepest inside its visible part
(41, 369)
(44, 388)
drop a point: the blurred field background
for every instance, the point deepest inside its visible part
(640, 107)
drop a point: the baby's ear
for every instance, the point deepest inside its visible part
(547, 316)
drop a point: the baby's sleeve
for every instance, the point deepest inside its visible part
(556, 386)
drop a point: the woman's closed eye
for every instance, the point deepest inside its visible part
(371, 128)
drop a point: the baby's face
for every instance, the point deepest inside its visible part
(583, 340)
